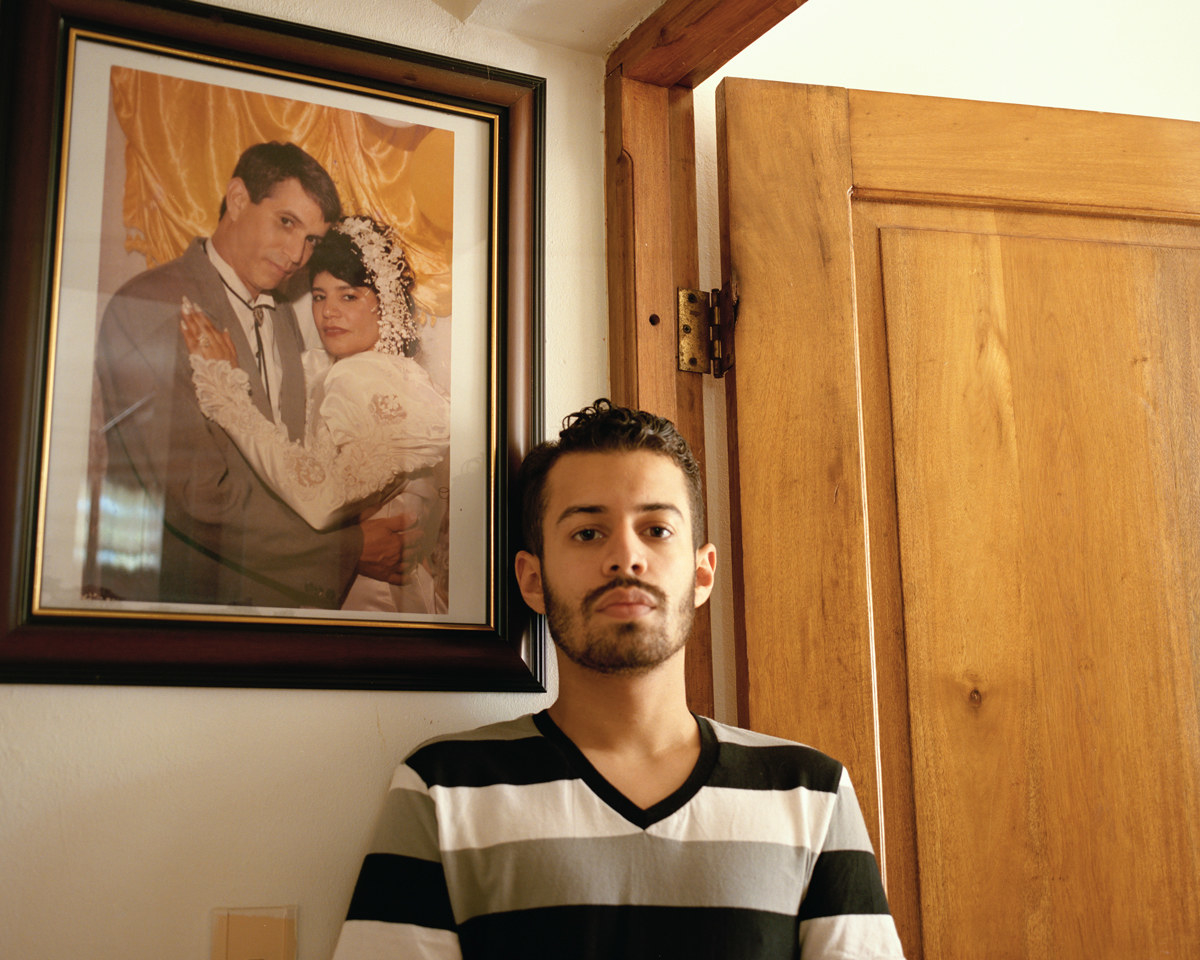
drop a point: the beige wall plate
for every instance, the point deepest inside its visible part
(254, 933)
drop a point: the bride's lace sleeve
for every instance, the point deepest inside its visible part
(374, 426)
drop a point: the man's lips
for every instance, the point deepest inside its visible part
(624, 603)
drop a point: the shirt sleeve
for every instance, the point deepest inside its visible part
(380, 419)
(844, 914)
(401, 903)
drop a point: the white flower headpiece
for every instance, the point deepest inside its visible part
(389, 273)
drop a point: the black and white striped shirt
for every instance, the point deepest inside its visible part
(506, 842)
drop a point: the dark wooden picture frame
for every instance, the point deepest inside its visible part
(507, 652)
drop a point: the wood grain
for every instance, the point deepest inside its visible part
(1116, 721)
(1002, 151)
(898, 831)
(957, 484)
(684, 42)
(639, 246)
(804, 636)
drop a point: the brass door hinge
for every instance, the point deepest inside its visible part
(704, 326)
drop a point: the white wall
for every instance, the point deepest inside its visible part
(126, 814)
(1109, 55)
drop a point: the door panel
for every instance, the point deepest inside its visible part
(1007, 599)
(958, 487)
(1036, 574)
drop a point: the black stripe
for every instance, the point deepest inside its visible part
(542, 759)
(844, 882)
(776, 767)
(396, 889)
(631, 933)
(481, 763)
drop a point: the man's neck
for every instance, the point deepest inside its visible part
(636, 730)
(218, 243)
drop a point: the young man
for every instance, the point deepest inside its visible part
(616, 824)
(185, 518)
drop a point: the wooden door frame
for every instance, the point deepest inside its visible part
(650, 215)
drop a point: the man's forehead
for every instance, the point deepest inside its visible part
(639, 478)
(289, 192)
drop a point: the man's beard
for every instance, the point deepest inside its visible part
(620, 647)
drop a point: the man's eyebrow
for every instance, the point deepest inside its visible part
(660, 508)
(596, 509)
(578, 509)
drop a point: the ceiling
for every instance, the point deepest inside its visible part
(590, 26)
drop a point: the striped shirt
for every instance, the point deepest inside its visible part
(506, 842)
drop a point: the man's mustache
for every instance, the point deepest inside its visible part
(627, 583)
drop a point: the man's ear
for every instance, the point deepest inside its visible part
(706, 566)
(237, 198)
(529, 579)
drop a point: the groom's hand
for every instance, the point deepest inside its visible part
(391, 548)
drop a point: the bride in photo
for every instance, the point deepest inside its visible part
(377, 428)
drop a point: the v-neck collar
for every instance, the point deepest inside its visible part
(613, 797)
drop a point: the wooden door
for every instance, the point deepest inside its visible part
(965, 462)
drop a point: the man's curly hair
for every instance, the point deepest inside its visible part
(605, 428)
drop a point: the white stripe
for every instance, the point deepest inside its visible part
(847, 830)
(796, 818)
(375, 940)
(750, 738)
(861, 936)
(473, 817)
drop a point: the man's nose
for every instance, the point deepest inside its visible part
(297, 249)
(626, 553)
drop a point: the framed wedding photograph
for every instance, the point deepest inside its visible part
(275, 310)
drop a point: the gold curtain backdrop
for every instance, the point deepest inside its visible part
(183, 139)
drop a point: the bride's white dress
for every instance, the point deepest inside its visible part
(376, 427)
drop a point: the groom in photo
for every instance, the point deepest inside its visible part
(183, 518)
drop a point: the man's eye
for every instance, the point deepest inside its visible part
(659, 533)
(587, 535)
